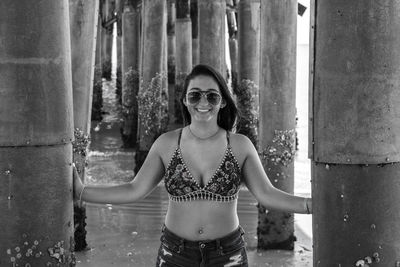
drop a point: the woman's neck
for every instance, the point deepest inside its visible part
(203, 131)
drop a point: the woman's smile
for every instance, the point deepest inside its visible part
(202, 110)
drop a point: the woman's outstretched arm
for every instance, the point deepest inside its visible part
(145, 181)
(260, 186)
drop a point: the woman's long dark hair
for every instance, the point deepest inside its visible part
(226, 115)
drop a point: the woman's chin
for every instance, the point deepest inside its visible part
(203, 117)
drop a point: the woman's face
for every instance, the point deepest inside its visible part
(203, 99)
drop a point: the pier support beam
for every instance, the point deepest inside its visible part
(171, 18)
(97, 98)
(171, 55)
(354, 138)
(130, 70)
(248, 68)
(36, 131)
(153, 91)
(83, 25)
(119, 5)
(194, 16)
(233, 43)
(183, 59)
(212, 33)
(108, 20)
(277, 121)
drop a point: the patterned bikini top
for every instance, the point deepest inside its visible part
(223, 185)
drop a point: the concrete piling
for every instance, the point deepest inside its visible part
(130, 70)
(248, 67)
(355, 149)
(83, 26)
(153, 96)
(36, 132)
(183, 59)
(277, 120)
(212, 33)
(108, 20)
(194, 16)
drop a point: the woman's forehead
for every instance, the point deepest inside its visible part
(203, 82)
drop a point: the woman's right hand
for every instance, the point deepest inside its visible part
(77, 183)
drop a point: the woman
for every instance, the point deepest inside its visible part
(203, 166)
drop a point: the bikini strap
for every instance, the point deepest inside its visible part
(179, 137)
(228, 138)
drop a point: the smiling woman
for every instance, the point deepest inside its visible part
(203, 166)
(214, 82)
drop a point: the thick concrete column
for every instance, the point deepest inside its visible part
(130, 70)
(97, 101)
(212, 33)
(355, 80)
(36, 131)
(83, 26)
(248, 67)
(153, 96)
(194, 16)
(171, 18)
(119, 5)
(232, 41)
(183, 59)
(277, 120)
(171, 54)
(108, 17)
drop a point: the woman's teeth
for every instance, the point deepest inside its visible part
(202, 110)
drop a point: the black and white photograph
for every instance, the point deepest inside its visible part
(199, 133)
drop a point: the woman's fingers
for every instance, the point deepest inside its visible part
(77, 182)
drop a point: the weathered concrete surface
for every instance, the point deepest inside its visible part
(130, 74)
(356, 80)
(357, 211)
(212, 33)
(36, 130)
(249, 40)
(83, 21)
(35, 67)
(278, 113)
(355, 132)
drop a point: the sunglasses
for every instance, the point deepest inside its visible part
(194, 97)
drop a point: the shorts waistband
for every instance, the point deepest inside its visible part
(206, 244)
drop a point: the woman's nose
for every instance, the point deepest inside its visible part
(203, 99)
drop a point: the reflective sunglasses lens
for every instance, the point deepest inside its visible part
(193, 97)
(213, 98)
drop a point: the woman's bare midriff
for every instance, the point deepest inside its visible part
(202, 219)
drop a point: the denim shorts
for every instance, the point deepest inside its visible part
(226, 251)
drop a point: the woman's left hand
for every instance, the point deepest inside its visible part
(309, 205)
(77, 183)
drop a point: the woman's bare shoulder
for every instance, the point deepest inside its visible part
(241, 146)
(240, 140)
(167, 142)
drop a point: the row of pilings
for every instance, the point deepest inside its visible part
(50, 66)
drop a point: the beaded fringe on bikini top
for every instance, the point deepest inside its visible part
(223, 186)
